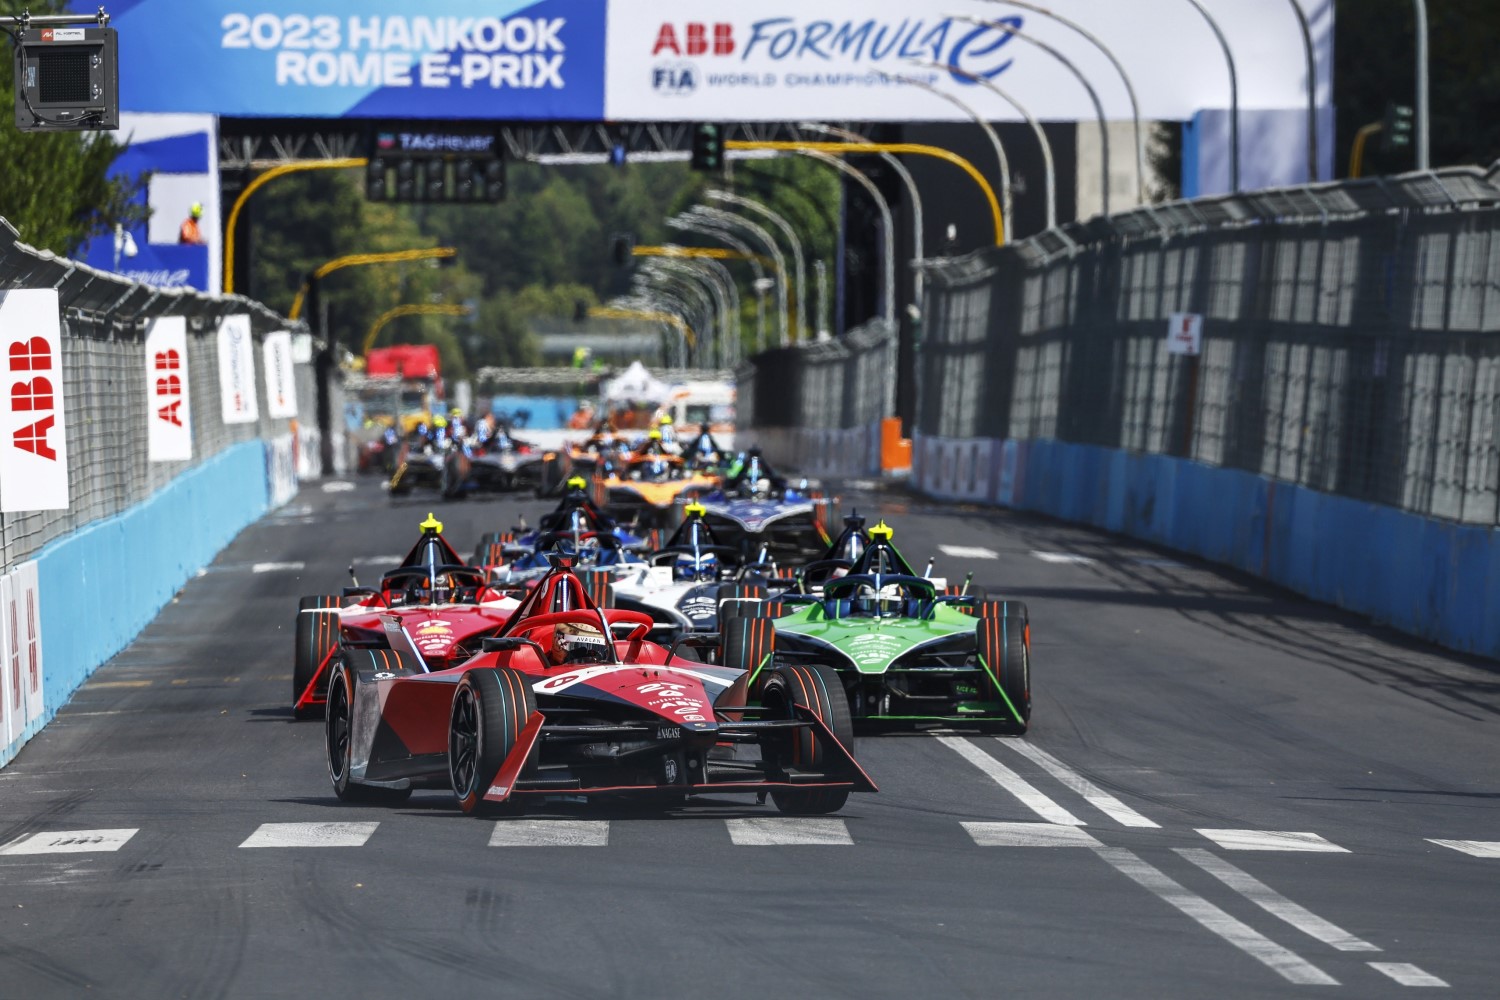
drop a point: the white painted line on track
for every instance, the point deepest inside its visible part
(1473, 848)
(1271, 840)
(781, 831)
(1063, 558)
(1029, 835)
(1011, 782)
(277, 567)
(1407, 974)
(968, 552)
(377, 560)
(1287, 963)
(1275, 903)
(338, 486)
(1092, 793)
(310, 835)
(70, 842)
(550, 833)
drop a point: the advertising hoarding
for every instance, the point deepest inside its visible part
(374, 59)
(237, 371)
(169, 411)
(281, 384)
(725, 60)
(33, 432)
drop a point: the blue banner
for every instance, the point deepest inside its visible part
(372, 59)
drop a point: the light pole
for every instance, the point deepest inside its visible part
(685, 267)
(254, 186)
(1072, 68)
(1424, 95)
(1048, 167)
(1135, 105)
(411, 309)
(799, 264)
(989, 131)
(911, 190)
(697, 227)
(1312, 91)
(1234, 97)
(673, 303)
(730, 219)
(692, 287)
(888, 307)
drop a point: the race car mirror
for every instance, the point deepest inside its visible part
(509, 644)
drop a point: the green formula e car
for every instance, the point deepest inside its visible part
(905, 649)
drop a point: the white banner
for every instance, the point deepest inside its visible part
(1185, 334)
(33, 435)
(237, 370)
(12, 708)
(29, 637)
(281, 385)
(169, 424)
(726, 60)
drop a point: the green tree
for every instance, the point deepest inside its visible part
(54, 187)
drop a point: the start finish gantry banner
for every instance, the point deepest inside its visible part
(705, 60)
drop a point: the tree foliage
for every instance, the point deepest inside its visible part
(53, 187)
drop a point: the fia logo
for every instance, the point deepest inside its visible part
(674, 79)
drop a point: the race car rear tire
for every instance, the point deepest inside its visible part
(339, 746)
(490, 709)
(1005, 645)
(748, 644)
(596, 582)
(819, 689)
(315, 636)
(740, 600)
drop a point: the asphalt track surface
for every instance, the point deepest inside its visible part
(1170, 699)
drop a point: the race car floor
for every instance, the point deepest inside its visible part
(1226, 791)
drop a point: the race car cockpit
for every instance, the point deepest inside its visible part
(693, 551)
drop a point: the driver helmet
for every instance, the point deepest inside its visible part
(690, 568)
(883, 602)
(576, 642)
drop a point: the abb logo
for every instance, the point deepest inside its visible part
(33, 395)
(695, 39)
(167, 365)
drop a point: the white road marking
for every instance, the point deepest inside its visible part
(70, 842)
(277, 567)
(1274, 903)
(1011, 782)
(310, 835)
(377, 560)
(1092, 793)
(1289, 964)
(783, 831)
(337, 486)
(1063, 558)
(550, 833)
(1159, 563)
(1407, 974)
(968, 552)
(1271, 840)
(1029, 835)
(1474, 848)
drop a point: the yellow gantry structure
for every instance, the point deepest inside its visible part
(256, 185)
(411, 309)
(360, 259)
(849, 148)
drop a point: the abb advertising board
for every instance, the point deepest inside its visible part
(169, 414)
(789, 60)
(33, 432)
(237, 371)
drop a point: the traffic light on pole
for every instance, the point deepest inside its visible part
(1396, 128)
(708, 147)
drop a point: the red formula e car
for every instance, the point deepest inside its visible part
(431, 606)
(573, 700)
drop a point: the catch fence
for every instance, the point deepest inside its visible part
(1348, 339)
(104, 323)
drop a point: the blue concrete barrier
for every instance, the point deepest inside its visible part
(1434, 579)
(100, 586)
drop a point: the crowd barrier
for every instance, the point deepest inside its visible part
(172, 420)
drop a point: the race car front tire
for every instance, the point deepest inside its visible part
(818, 689)
(1004, 642)
(338, 742)
(747, 644)
(315, 636)
(491, 707)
